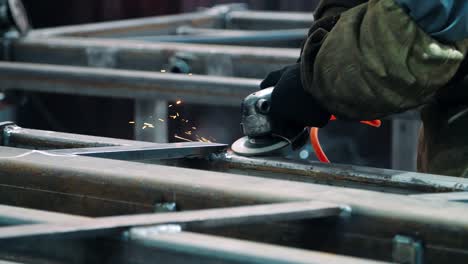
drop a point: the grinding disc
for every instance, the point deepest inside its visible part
(256, 147)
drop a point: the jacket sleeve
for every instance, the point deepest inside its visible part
(377, 61)
(444, 20)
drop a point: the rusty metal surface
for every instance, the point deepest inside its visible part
(310, 172)
(10, 215)
(195, 219)
(148, 153)
(87, 186)
(231, 250)
(345, 175)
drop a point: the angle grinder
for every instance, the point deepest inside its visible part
(259, 129)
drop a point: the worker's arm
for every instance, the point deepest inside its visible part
(445, 20)
(379, 60)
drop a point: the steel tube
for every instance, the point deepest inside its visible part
(259, 20)
(275, 38)
(341, 175)
(125, 84)
(202, 218)
(14, 136)
(134, 27)
(148, 153)
(99, 187)
(10, 215)
(232, 250)
(136, 55)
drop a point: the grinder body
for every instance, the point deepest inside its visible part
(258, 127)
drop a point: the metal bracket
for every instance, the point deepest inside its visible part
(13, 17)
(165, 207)
(407, 250)
(5, 128)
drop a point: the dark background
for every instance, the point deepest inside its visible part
(46, 13)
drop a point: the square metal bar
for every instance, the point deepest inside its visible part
(125, 84)
(202, 218)
(233, 250)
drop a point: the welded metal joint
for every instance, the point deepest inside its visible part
(141, 233)
(165, 207)
(180, 63)
(6, 128)
(225, 9)
(407, 250)
(13, 18)
(101, 57)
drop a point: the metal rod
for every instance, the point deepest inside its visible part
(259, 20)
(125, 84)
(15, 136)
(214, 17)
(345, 175)
(136, 55)
(232, 250)
(10, 215)
(275, 38)
(134, 27)
(147, 153)
(201, 218)
(341, 175)
(86, 186)
(461, 197)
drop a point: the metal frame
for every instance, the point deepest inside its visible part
(56, 176)
(80, 199)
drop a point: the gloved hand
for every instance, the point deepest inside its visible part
(292, 108)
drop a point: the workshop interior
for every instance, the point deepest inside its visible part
(139, 131)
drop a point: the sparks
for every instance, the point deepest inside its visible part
(131, 122)
(178, 102)
(173, 116)
(194, 128)
(160, 119)
(163, 71)
(188, 133)
(184, 139)
(170, 106)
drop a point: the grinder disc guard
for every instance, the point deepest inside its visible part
(259, 146)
